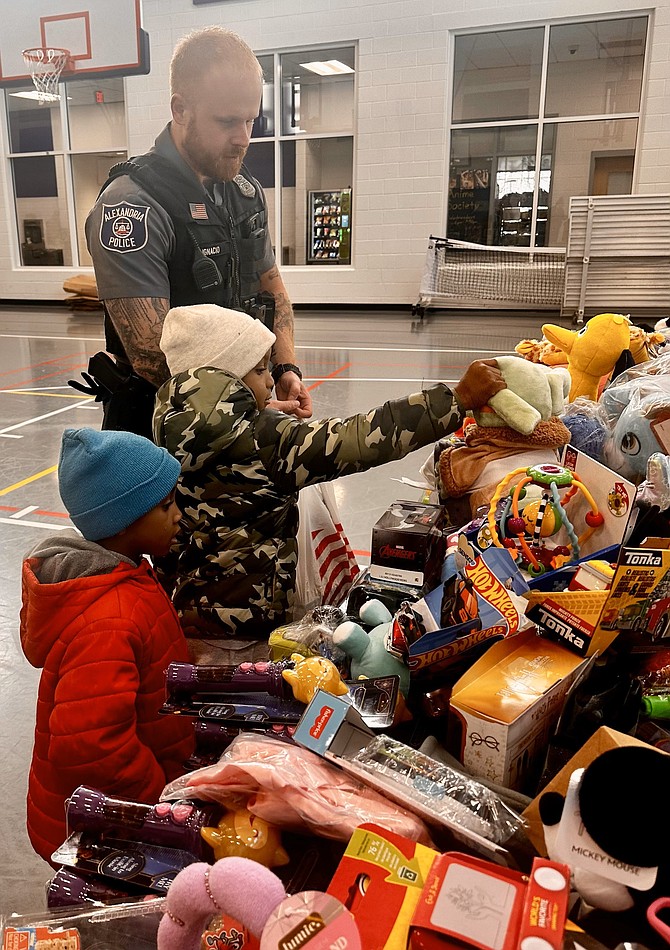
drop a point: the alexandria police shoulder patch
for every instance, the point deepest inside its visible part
(123, 227)
(245, 186)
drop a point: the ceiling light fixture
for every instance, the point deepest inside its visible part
(34, 95)
(331, 67)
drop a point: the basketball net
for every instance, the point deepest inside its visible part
(46, 64)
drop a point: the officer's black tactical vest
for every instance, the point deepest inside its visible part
(231, 235)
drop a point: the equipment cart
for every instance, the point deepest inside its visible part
(459, 274)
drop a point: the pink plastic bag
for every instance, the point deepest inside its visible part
(292, 787)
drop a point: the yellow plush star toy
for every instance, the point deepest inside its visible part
(592, 351)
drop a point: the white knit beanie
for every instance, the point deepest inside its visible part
(207, 335)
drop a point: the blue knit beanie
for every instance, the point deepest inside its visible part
(108, 480)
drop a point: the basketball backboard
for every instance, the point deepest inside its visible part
(104, 38)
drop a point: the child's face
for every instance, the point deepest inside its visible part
(260, 382)
(154, 532)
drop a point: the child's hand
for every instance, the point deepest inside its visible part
(481, 380)
(289, 406)
(292, 397)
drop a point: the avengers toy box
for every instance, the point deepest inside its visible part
(408, 544)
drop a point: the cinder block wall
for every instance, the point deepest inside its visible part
(401, 138)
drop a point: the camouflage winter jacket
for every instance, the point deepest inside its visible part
(241, 470)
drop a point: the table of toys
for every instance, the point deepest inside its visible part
(470, 752)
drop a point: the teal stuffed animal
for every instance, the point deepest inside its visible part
(367, 651)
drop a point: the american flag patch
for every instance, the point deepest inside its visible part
(198, 210)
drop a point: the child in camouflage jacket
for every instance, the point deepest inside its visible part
(243, 463)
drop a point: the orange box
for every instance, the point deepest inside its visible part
(504, 707)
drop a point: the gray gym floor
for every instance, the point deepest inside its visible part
(352, 361)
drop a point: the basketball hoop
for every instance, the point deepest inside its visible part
(46, 64)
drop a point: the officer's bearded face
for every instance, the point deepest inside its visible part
(219, 121)
(207, 160)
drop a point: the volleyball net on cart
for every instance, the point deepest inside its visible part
(460, 274)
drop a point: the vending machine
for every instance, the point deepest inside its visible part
(329, 227)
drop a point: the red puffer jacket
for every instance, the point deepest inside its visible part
(104, 641)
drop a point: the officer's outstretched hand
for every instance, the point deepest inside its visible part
(481, 380)
(292, 397)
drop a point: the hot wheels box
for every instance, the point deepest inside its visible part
(497, 610)
(408, 544)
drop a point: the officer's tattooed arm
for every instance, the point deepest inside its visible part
(139, 322)
(292, 395)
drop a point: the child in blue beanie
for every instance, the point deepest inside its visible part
(100, 626)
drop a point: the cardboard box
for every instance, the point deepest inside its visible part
(472, 903)
(638, 602)
(408, 544)
(571, 618)
(379, 880)
(502, 711)
(601, 741)
(636, 606)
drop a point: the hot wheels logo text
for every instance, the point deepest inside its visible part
(489, 587)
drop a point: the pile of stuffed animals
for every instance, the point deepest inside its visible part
(604, 388)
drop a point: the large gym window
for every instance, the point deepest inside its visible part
(538, 115)
(84, 132)
(302, 152)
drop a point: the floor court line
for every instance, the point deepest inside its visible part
(35, 524)
(298, 346)
(319, 380)
(24, 369)
(32, 392)
(28, 510)
(28, 480)
(47, 415)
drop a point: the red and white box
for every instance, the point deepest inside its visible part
(468, 902)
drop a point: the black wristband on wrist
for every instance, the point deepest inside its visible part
(281, 368)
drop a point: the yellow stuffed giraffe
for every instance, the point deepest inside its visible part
(592, 351)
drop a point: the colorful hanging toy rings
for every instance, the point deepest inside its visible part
(540, 518)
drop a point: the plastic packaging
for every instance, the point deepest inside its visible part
(170, 826)
(447, 792)
(292, 787)
(132, 924)
(313, 634)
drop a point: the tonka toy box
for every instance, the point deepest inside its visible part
(408, 544)
(502, 710)
(636, 607)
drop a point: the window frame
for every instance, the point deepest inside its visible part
(542, 119)
(279, 136)
(65, 154)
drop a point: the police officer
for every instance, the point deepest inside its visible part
(186, 223)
